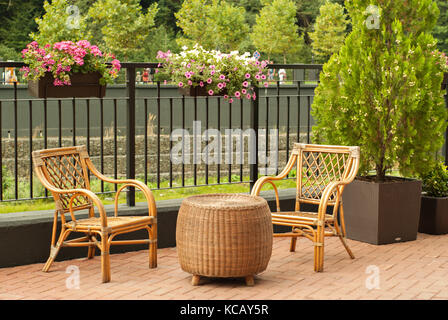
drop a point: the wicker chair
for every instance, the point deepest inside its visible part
(64, 172)
(322, 173)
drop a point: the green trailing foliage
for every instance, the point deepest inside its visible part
(382, 90)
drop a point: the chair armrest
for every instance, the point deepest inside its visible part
(152, 211)
(268, 179)
(326, 194)
(259, 184)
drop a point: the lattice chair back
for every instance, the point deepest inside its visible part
(319, 165)
(64, 168)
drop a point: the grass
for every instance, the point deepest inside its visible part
(164, 193)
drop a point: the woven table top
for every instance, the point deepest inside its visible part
(232, 201)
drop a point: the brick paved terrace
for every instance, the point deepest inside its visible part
(416, 270)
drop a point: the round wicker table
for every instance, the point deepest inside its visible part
(224, 236)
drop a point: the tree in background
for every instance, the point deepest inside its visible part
(252, 8)
(382, 90)
(441, 29)
(17, 22)
(214, 24)
(60, 22)
(124, 27)
(329, 31)
(165, 17)
(275, 30)
(306, 13)
(7, 53)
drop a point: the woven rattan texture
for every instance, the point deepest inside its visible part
(224, 236)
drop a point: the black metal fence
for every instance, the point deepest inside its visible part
(141, 146)
(129, 133)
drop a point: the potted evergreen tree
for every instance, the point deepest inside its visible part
(434, 208)
(382, 92)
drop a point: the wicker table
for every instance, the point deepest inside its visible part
(224, 236)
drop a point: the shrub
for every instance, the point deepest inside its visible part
(382, 90)
(435, 181)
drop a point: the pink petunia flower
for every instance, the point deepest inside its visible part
(247, 75)
(210, 92)
(245, 84)
(180, 84)
(237, 94)
(209, 80)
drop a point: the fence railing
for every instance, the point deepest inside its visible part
(134, 131)
(129, 133)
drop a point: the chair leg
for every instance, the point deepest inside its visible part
(349, 251)
(319, 250)
(292, 247)
(55, 250)
(152, 246)
(91, 250)
(318, 258)
(105, 258)
(341, 231)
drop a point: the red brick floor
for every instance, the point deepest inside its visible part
(410, 270)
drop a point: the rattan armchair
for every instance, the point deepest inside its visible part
(322, 173)
(65, 173)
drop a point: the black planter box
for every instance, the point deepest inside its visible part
(83, 85)
(434, 215)
(200, 92)
(193, 91)
(382, 213)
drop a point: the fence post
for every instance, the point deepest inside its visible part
(130, 133)
(254, 109)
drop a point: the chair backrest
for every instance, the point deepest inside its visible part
(64, 168)
(318, 165)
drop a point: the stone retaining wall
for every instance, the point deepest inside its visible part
(108, 155)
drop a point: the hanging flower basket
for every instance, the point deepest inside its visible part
(82, 86)
(198, 72)
(67, 69)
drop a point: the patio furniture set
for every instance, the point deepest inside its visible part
(217, 235)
